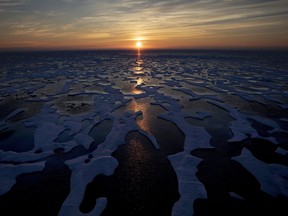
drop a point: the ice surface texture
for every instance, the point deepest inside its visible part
(70, 111)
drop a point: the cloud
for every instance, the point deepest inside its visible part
(10, 3)
(152, 20)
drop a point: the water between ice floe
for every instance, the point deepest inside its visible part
(162, 133)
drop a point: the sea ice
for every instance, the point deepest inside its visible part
(272, 177)
(62, 84)
(9, 172)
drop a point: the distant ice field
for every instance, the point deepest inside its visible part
(166, 132)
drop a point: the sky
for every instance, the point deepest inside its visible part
(118, 24)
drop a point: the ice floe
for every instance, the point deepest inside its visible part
(118, 92)
(272, 177)
(9, 172)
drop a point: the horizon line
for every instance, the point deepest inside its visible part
(144, 49)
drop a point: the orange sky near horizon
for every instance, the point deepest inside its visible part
(118, 24)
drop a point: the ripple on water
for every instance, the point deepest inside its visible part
(144, 182)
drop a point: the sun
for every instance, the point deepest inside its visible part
(139, 44)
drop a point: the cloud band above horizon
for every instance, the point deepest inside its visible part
(88, 24)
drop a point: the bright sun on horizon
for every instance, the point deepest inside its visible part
(139, 25)
(139, 44)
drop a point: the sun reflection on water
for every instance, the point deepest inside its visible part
(140, 81)
(143, 106)
(138, 69)
(137, 156)
(136, 91)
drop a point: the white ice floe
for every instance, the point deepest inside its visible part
(235, 196)
(65, 87)
(284, 119)
(82, 174)
(190, 188)
(13, 114)
(201, 115)
(268, 122)
(284, 106)
(9, 172)
(45, 134)
(108, 75)
(281, 151)
(4, 124)
(241, 127)
(272, 177)
(252, 98)
(101, 163)
(185, 165)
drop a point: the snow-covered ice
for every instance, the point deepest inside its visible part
(78, 107)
